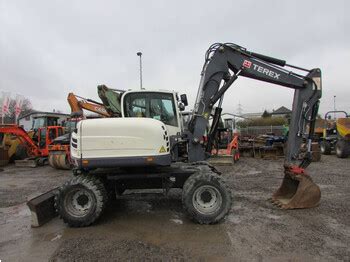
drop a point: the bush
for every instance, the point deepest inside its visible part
(263, 121)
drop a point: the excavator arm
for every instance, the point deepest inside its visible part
(77, 104)
(224, 63)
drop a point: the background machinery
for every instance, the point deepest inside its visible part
(13, 145)
(59, 149)
(225, 149)
(147, 147)
(33, 149)
(336, 135)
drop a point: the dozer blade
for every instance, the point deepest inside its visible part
(297, 191)
(42, 208)
(58, 160)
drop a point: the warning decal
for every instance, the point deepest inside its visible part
(162, 150)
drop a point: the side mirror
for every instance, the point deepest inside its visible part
(183, 99)
(181, 107)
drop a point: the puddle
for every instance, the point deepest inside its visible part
(273, 216)
(233, 219)
(177, 221)
(56, 238)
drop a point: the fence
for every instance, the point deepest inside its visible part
(261, 130)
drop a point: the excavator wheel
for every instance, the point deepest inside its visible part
(325, 147)
(81, 200)
(21, 152)
(297, 191)
(342, 148)
(59, 160)
(205, 198)
(235, 155)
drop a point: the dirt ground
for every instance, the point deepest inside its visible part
(157, 229)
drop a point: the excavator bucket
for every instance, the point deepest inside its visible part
(58, 160)
(297, 191)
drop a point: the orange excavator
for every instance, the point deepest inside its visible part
(35, 150)
(78, 103)
(225, 146)
(59, 152)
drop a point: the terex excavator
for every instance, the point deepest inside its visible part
(59, 151)
(153, 150)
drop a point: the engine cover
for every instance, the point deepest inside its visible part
(120, 142)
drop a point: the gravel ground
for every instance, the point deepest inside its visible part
(157, 229)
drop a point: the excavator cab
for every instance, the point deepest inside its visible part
(159, 105)
(44, 137)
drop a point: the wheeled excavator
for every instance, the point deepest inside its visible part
(147, 147)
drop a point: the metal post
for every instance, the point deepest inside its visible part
(334, 106)
(140, 55)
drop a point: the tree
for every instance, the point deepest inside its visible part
(26, 108)
(261, 121)
(266, 114)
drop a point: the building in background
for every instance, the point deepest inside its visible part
(281, 112)
(37, 119)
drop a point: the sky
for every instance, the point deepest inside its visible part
(51, 48)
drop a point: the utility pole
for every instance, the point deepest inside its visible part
(140, 55)
(334, 106)
(239, 109)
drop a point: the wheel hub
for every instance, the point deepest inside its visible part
(79, 202)
(207, 199)
(83, 200)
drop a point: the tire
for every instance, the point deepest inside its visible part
(234, 152)
(342, 148)
(325, 147)
(206, 185)
(21, 152)
(81, 200)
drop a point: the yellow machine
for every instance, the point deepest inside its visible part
(4, 159)
(336, 135)
(10, 144)
(342, 147)
(343, 127)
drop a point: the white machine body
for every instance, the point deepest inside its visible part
(114, 142)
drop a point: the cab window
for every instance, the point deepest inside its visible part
(158, 106)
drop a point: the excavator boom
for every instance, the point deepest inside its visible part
(77, 104)
(23, 136)
(224, 63)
